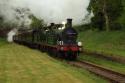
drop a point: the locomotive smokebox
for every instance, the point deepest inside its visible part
(69, 23)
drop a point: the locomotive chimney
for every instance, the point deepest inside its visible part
(52, 24)
(69, 23)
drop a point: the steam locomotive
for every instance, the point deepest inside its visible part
(52, 39)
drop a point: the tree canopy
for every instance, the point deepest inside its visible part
(106, 13)
(36, 23)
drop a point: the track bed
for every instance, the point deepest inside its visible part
(106, 73)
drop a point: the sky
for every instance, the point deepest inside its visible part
(49, 10)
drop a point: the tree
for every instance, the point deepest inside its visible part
(1, 21)
(106, 12)
(19, 20)
(22, 17)
(36, 23)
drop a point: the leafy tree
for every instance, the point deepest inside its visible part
(36, 23)
(1, 21)
(106, 12)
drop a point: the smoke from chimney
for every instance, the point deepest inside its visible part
(49, 10)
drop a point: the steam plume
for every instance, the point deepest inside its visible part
(49, 10)
(10, 35)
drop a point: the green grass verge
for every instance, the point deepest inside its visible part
(19, 64)
(3, 42)
(104, 63)
(106, 42)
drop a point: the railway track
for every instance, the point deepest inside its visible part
(112, 76)
(111, 57)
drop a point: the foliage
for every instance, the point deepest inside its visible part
(121, 20)
(22, 17)
(36, 23)
(82, 27)
(19, 20)
(1, 21)
(106, 13)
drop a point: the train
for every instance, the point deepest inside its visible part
(58, 40)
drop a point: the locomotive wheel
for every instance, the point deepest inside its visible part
(42, 48)
(60, 54)
(55, 52)
(74, 55)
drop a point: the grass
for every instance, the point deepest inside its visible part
(106, 42)
(19, 64)
(104, 63)
(2, 42)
